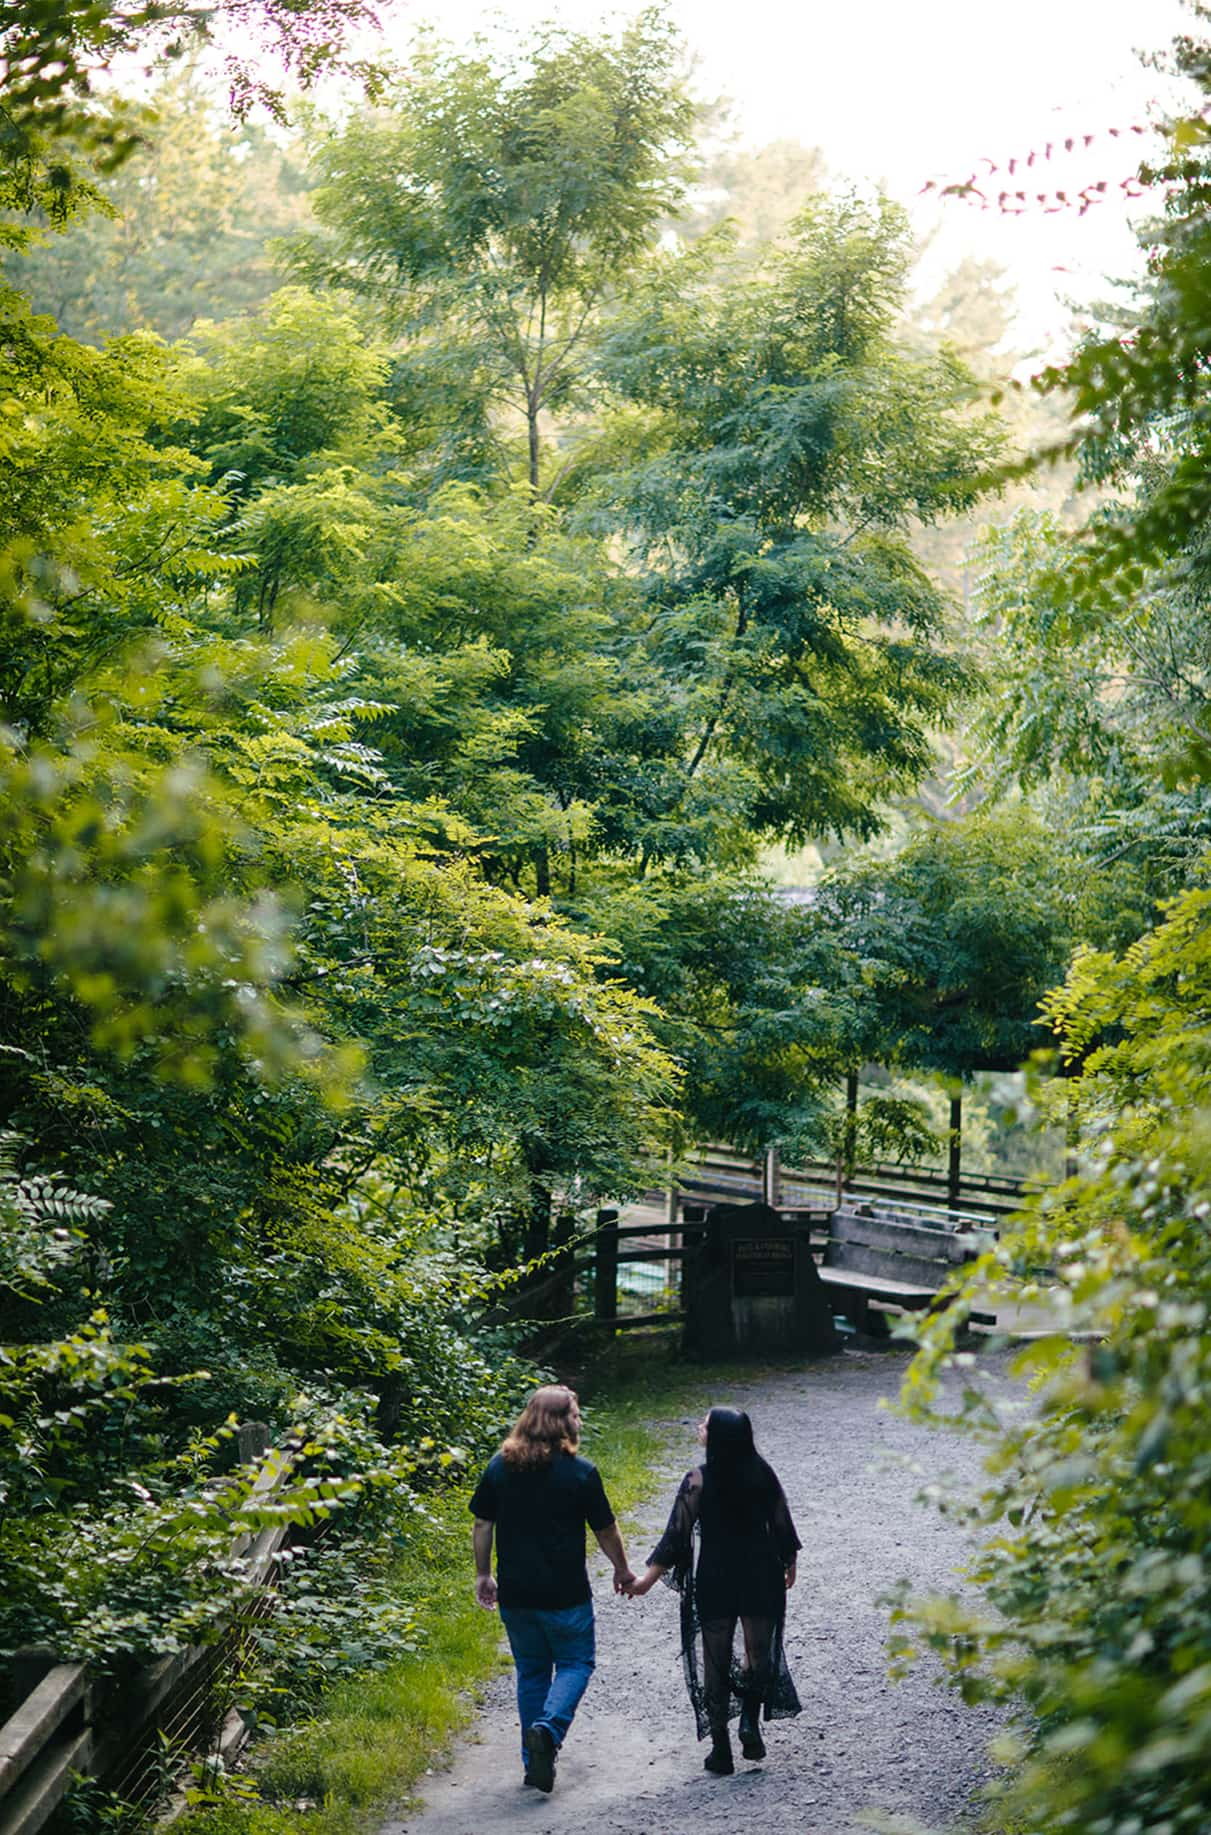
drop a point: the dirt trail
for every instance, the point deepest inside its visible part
(631, 1765)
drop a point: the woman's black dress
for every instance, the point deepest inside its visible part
(746, 1542)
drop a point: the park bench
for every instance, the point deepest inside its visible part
(880, 1259)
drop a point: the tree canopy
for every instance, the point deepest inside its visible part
(497, 205)
(401, 673)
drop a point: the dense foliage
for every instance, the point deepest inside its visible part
(1097, 1552)
(1097, 1563)
(400, 676)
(181, 228)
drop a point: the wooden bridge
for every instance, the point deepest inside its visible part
(888, 1235)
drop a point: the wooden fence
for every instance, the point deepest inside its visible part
(128, 1737)
(809, 1193)
(718, 1171)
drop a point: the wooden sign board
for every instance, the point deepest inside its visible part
(763, 1267)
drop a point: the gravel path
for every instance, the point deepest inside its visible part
(631, 1765)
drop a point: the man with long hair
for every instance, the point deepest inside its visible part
(536, 1496)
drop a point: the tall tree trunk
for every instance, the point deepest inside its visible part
(538, 1207)
(725, 694)
(532, 433)
(851, 1124)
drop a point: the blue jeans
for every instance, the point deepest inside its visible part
(555, 1654)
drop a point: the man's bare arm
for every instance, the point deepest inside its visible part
(610, 1542)
(485, 1585)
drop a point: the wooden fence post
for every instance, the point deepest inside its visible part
(672, 1220)
(605, 1271)
(672, 1196)
(771, 1178)
(954, 1153)
(252, 1441)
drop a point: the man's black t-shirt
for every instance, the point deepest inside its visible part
(540, 1514)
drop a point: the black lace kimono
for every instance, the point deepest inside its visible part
(746, 1542)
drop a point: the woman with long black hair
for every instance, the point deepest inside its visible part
(736, 1506)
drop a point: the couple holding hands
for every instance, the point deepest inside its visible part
(536, 1498)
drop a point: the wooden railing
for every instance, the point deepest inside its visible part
(807, 1193)
(720, 1171)
(580, 1285)
(612, 1246)
(42, 1747)
(69, 1726)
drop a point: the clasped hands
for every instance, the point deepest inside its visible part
(633, 1587)
(625, 1583)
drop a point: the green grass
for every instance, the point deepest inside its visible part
(377, 1732)
(376, 1735)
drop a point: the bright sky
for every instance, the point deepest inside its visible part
(902, 93)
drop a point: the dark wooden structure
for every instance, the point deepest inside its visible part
(753, 1286)
(888, 1248)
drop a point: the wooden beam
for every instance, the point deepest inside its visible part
(605, 1277)
(26, 1732)
(40, 1792)
(626, 1321)
(954, 1153)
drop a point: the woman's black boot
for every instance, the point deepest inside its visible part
(751, 1743)
(719, 1758)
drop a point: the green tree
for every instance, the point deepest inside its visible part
(1098, 701)
(490, 641)
(1095, 1556)
(960, 936)
(195, 818)
(182, 230)
(973, 313)
(784, 446)
(758, 1000)
(759, 192)
(256, 986)
(503, 203)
